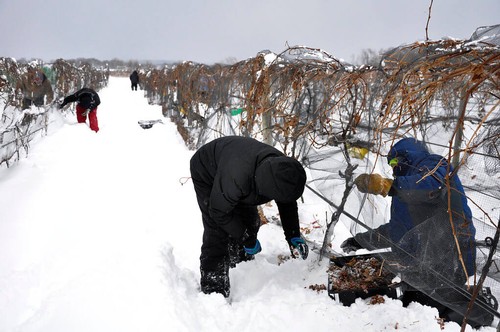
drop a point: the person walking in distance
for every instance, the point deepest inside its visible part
(134, 80)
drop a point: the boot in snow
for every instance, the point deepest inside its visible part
(216, 281)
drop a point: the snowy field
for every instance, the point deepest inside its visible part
(101, 232)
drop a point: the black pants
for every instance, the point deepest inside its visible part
(218, 250)
(217, 245)
(216, 242)
(134, 86)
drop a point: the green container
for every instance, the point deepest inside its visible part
(237, 111)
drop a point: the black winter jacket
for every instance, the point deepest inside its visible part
(86, 97)
(243, 171)
(134, 77)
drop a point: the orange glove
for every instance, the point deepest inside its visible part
(373, 184)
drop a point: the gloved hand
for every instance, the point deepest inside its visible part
(298, 247)
(252, 249)
(373, 184)
(250, 243)
(61, 105)
(350, 245)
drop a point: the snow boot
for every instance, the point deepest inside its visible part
(216, 281)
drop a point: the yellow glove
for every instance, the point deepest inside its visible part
(373, 184)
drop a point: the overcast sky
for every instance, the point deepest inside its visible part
(218, 30)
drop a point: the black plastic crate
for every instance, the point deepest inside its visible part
(347, 296)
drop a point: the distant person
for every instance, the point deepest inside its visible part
(232, 176)
(134, 80)
(34, 87)
(88, 100)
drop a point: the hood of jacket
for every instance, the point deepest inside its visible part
(280, 178)
(409, 152)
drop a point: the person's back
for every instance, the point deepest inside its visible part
(134, 79)
(88, 98)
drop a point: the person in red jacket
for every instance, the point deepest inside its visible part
(232, 176)
(88, 100)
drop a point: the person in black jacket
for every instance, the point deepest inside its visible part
(134, 80)
(232, 176)
(88, 100)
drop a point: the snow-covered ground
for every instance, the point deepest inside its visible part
(101, 232)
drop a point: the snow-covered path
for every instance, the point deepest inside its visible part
(85, 217)
(97, 233)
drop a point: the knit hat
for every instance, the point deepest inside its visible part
(280, 178)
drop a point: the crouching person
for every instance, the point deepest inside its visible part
(430, 232)
(232, 176)
(87, 102)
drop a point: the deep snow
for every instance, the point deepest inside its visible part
(101, 232)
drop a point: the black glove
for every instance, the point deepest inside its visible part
(350, 245)
(61, 105)
(298, 247)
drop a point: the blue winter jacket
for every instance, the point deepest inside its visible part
(419, 209)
